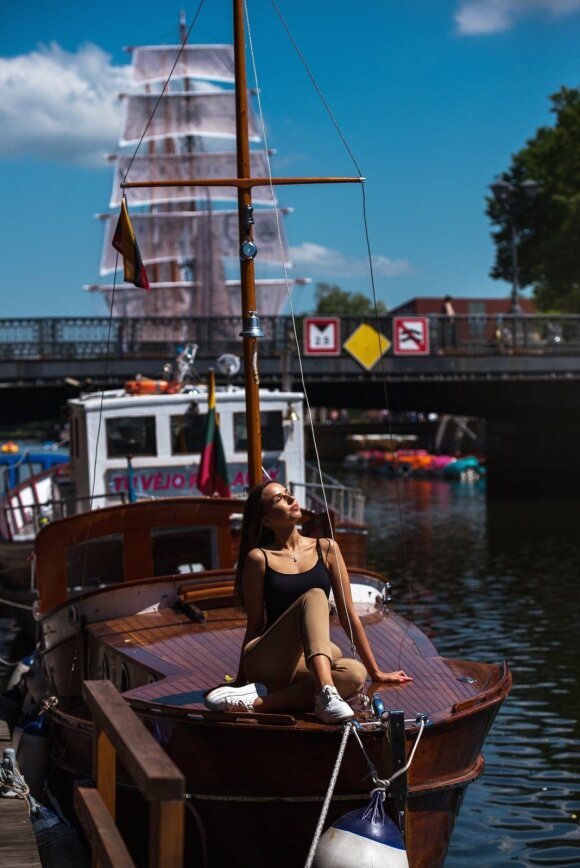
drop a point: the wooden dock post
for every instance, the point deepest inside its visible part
(118, 731)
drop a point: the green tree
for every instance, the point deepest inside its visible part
(548, 225)
(334, 300)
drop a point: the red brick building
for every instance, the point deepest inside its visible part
(476, 321)
(423, 306)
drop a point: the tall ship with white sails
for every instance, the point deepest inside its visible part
(188, 236)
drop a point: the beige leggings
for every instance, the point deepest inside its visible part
(278, 658)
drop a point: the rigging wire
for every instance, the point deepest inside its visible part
(370, 262)
(295, 331)
(111, 310)
(109, 331)
(164, 88)
(112, 304)
(374, 295)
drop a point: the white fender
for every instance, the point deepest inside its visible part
(366, 838)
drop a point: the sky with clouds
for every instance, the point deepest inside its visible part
(431, 98)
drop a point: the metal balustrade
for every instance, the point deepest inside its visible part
(30, 339)
(346, 501)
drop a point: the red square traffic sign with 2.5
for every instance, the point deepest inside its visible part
(321, 335)
(411, 335)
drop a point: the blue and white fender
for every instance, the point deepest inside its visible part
(366, 838)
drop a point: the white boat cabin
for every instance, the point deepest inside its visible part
(163, 434)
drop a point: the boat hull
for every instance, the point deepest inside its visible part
(255, 783)
(265, 784)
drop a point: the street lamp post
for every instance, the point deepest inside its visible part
(506, 194)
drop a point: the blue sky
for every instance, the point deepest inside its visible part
(432, 96)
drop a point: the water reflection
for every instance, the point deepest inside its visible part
(494, 582)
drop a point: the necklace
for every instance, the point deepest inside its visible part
(286, 555)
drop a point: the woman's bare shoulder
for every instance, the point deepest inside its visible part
(256, 556)
(330, 549)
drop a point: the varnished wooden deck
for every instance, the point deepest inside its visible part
(17, 842)
(189, 658)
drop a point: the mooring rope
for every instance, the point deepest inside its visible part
(384, 784)
(12, 783)
(332, 783)
(380, 783)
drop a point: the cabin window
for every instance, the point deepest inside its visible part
(183, 550)
(131, 435)
(272, 432)
(187, 433)
(95, 562)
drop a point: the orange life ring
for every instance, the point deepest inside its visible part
(146, 386)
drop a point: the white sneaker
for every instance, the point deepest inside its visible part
(329, 706)
(227, 698)
(238, 705)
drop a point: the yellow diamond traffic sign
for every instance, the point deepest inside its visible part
(366, 345)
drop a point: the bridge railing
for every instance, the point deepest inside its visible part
(161, 337)
(96, 337)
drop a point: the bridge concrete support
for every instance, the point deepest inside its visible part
(533, 457)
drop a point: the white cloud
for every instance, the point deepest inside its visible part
(481, 17)
(322, 260)
(60, 105)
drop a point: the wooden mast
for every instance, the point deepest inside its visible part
(244, 183)
(248, 285)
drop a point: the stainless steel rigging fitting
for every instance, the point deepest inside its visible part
(247, 217)
(251, 326)
(247, 248)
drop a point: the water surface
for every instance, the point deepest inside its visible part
(491, 582)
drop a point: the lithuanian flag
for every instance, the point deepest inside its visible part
(125, 242)
(213, 471)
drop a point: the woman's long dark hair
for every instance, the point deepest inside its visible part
(253, 534)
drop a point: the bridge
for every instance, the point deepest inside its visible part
(520, 373)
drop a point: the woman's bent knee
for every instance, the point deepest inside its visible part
(351, 674)
(359, 674)
(315, 594)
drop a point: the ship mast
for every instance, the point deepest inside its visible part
(247, 274)
(244, 183)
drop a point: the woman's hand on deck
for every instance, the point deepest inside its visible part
(398, 677)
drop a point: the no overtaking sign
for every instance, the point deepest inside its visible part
(411, 335)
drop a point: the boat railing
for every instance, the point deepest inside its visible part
(117, 731)
(346, 501)
(23, 520)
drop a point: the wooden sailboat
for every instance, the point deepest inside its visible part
(256, 782)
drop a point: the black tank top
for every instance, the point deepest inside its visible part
(283, 589)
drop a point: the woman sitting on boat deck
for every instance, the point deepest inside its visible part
(283, 581)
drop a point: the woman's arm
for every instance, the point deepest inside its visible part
(253, 587)
(350, 620)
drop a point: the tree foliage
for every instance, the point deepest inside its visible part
(547, 227)
(332, 299)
